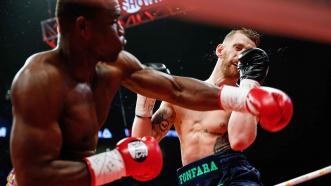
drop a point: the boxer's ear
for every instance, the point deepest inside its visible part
(82, 26)
(219, 50)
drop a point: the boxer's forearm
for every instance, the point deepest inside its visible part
(242, 126)
(183, 91)
(197, 95)
(241, 130)
(141, 127)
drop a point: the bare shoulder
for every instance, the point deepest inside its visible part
(43, 64)
(40, 75)
(127, 58)
(126, 64)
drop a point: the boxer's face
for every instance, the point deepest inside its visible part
(108, 35)
(232, 47)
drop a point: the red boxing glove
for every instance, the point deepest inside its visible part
(274, 107)
(142, 157)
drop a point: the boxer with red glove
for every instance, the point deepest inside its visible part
(139, 158)
(205, 136)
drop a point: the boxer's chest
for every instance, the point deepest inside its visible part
(79, 122)
(208, 121)
(84, 111)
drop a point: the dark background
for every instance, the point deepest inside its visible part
(299, 67)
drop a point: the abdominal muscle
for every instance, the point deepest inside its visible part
(201, 134)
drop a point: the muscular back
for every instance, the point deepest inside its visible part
(201, 133)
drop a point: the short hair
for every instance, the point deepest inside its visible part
(67, 11)
(251, 34)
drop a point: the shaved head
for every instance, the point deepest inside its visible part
(67, 11)
(106, 4)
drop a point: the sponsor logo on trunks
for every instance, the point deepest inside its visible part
(197, 171)
(11, 178)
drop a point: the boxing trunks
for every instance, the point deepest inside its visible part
(11, 179)
(224, 168)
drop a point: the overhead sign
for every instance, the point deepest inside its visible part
(133, 13)
(135, 6)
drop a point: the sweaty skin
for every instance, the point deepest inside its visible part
(61, 97)
(203, 133)
(200, 133)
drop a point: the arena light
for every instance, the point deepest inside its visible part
(3, 132)
(104, 133)
(107, 134)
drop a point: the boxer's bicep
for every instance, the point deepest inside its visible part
(36, 137)
(144, 80)
(162, 121)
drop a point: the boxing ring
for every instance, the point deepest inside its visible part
(301, 19)
(307, 177)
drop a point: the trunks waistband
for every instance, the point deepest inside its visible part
(207, 167)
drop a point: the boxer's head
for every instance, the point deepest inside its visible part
(249, 33)
(233, 44)
(91, 25)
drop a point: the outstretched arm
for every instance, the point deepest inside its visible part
(272, 106)
(183, 91)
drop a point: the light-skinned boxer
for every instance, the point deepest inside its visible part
(211, 141)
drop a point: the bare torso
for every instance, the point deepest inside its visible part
(84, 106)
(85, 110)
(201, 133)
